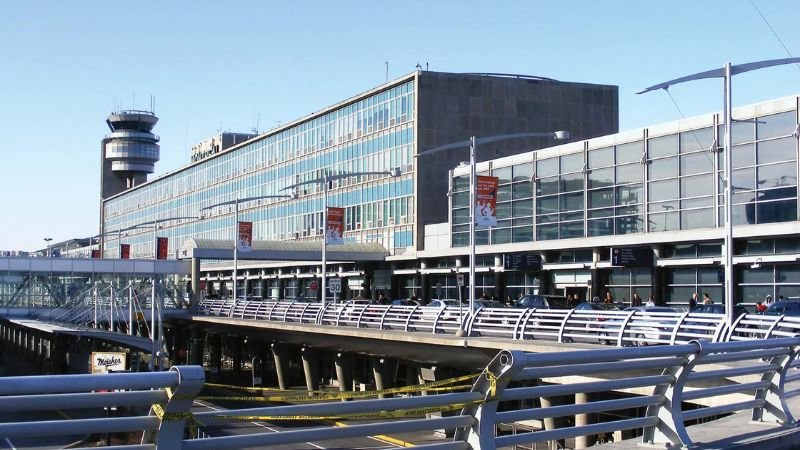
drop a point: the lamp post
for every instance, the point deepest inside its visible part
(236, 202)
(726, 73)
(47, 245)
(324, 180)
(472, 143)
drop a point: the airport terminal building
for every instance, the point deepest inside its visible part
(563, 210)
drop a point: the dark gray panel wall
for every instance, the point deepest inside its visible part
(453, 107)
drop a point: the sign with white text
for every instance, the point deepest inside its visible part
(334, 229)
(245, 241)
(486, 201)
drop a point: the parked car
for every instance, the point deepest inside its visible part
(541, 301)
(600, 319)
(481, 303)
(405, 302)
(718, 308)
(448, 303)
(640, 335)
(785, 307)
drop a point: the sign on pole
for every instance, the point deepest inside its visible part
(124, 251)
(104, 362)
(460, 279)
(162, 247)
(245, 241)
(334, 229)
(335, 285)
(486, 201)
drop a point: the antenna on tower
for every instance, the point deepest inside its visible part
(258, 119)
(387, 71)
(153, 104)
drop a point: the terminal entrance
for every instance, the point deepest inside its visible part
(581, 292)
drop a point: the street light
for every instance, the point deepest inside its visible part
(236, 202)
(726, 73)
(324, 180)
(47, 245)
(472, 143)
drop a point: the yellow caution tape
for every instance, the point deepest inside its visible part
(294, 396)
(364, 416)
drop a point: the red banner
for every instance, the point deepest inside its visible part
(334, 229)
(486, 201)
(162, 247)
(96, 253)
(125, 251)
(245, 241)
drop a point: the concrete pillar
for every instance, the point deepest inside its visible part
(194, 296)
(196, 341)
(581, 420)
(215, 355)
(310, 368)
(550, 423)
(384, 371)
(279, 356)
(344, 371)
(425, 283)
(658, 278)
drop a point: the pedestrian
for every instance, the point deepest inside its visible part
(768, 299)
(780, 298)
(760, 307)
(707, 299)
(693, 301)
(650, 301)
(509, 302)
(609, 297)
(636, 300)
(596, 299)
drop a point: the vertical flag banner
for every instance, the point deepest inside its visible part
(95, 253)
(334, 229)
(162, 247)
(125, 251)
(486, 201)
(245, 241)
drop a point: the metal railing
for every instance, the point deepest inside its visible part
(751, 373)
(620, 328)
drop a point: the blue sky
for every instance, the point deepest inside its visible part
(233, 65)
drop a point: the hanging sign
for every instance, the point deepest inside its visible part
(486, 201)
(124, 251)
(96, 253)
(162, 246)
(105, 362)
(334, 229)
(245, 241)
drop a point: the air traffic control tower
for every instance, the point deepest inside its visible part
(129, 152)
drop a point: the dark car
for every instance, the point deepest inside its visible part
(543, 302)
(597, 306)
(718, 308)
(781, 308)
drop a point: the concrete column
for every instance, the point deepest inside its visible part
(279, 356)
(385, 372)
(344, 371)
(194, 296)
(581, 420)
(215, 355)
(281, 289)
(196, 341)
(658, 278)
(425, 283)
(310, 368)
(550, 423)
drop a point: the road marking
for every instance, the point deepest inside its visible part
(10, 444)
(382, 438)
(257, 424)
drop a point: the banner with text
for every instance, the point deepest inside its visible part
(334, 229)
(125, 251)
(486, 201)
(245, 241)
(162, 247)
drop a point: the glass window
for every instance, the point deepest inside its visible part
(776, 150)
(572, 182)
(572, 202)
(776, 125)
(522, 234)
(521, 190)
(777, 175)
(545, 186)
(629, 173)
(696, 140)
(664, 190)
(741, 132)
(601, 157)
(523, 172)
(547, 205)
(601, 227)
(546, 167)
(663, 168)
(572, 163)
(601, 198)
(663, 146)
(546, 232)
(601, 177)
(697, 218)
(629, 194)
(503, 174)
(743, 155)
(521, 209)
(571, 230)
(697, 186)
(744, 179)
(696, 163)
(627, 153)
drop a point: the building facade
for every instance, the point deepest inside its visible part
(379, 130)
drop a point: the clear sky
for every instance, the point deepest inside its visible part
(211, 65)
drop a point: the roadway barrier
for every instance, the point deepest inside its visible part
(740, 375)
(620, 328)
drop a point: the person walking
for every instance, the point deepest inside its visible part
(609, 297)
(707, 299)
(693, 301)
(636, 300)
(650, 301)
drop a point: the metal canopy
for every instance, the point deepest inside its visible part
(282, 250)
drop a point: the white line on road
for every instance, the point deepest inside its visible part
(10, 444)
(257, 424)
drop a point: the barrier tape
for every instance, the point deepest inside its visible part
(332, 395)
(294, 396)
(364, 416)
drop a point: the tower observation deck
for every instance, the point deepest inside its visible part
(130, 151)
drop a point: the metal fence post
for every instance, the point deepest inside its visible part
(775, 407)
(175, 414)
(491, 384)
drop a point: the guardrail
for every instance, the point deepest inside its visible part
(668, 376)
(620, 328)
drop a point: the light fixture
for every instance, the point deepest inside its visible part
(756, 264)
